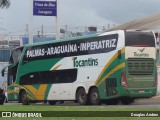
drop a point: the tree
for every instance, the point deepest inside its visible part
(4, 3)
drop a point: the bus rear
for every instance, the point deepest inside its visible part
(140, 78)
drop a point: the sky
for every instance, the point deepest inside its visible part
(77, 14)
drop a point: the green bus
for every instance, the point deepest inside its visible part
(102, 68)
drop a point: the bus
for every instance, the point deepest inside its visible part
(6, 46)
(5, 52)
(111, 67)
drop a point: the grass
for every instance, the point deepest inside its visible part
(34, 107)
(67, 107)
(117, 109)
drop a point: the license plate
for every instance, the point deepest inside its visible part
(141, 91)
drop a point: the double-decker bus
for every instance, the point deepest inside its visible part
(109, 67)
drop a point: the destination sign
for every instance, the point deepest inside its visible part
(45, 8)
(92, 45)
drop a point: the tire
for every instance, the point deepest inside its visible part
(127, 101)
(81, 96)
(94, 96)
(52, 102)
(20, 97)
(23, 98)
(2, 99)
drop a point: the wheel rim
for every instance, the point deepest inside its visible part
(24, 97)
(81, 97)
(94, 96)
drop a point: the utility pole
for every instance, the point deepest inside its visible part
(42, 30)
(30, 35)
(108, 25)
(57, 22)
(38, 35)
(103, 29)
(26, 30)
(158, 48)
(66, 27)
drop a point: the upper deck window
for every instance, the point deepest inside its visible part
(16, 54)
(139, 39)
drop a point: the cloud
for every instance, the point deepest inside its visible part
(80, 13)
(121, 11)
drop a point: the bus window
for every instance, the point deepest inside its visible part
(139, 39)
(10, 80)
(49, 77)
(16, 55)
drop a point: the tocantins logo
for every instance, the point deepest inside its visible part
(85, 62)
(141, 50)
(141, 53)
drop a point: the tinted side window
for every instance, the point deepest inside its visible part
(139, 39)
(49, 77)
(16, 54)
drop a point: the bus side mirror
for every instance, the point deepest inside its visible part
(3, 70)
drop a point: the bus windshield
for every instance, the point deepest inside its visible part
(139, 39)
(16, 55)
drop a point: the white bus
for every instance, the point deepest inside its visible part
(110, 67)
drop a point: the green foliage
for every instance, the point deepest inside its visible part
(4, 3)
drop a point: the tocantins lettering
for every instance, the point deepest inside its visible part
(85, 62)
(141, 55)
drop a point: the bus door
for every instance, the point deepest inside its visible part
(54, 92)
(65, 91)
(62, 84)
(67, 77)
(12, 73)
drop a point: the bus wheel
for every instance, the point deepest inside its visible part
(23, 98)
(94, 96)
(2, 99)
(81, 96)
(52, 102)
(127, 101)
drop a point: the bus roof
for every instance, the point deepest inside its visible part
(77, 38)
(62, 40)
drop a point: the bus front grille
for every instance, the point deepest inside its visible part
(140, 66)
